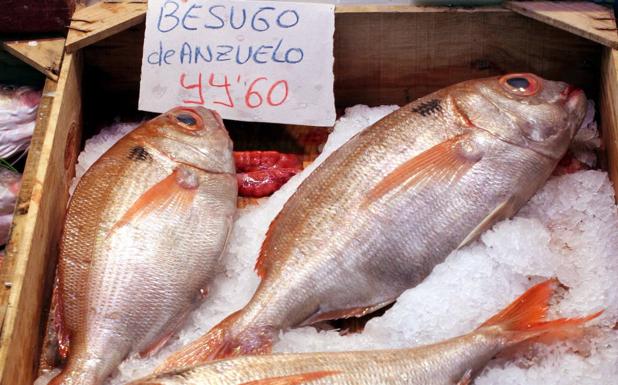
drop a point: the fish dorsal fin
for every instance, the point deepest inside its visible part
(177, 189)
(295, 379)
(466, 379)
(357, 312)
(504, 210)
(446, 162)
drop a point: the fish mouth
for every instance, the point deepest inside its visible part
(569, 91)
(574, 98)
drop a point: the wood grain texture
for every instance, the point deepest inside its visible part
(608, 109)
(45, 55)
(585, 19)
(101, 20)
(418, 53)
(32, 249)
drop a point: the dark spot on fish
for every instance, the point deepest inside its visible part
(139, 153)
(186, 119)
(429, 107)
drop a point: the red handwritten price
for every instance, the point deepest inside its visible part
(256, 93)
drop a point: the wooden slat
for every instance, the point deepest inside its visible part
(585, 19)
(418, 54)
(608, 108)
(101, 20)
(372, 8)
(43, 54)
(26, 278)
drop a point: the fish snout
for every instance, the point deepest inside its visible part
(30, 98)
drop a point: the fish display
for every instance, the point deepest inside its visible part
(144, 231)
(454, 361)
(376, 216)
(261, 173)
(10, 182)
(18, 106)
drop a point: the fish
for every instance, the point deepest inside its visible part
(18, 106)
(143, 234)
(454, 361)
(10, 182)
(394, 201)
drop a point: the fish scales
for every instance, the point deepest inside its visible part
(376, 216)
(453, 361)
(143, 234)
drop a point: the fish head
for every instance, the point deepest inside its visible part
(194, 136)
(19, 97)
(524, 109)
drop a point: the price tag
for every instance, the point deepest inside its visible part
(264, 61)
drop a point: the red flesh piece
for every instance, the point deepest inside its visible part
(262, 183)
(248, 161)
(569, 165)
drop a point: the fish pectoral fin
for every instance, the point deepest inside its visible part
(466, 379)
(357, 312)
(177, 189)
(295, 379)
(504, 210)
(445, 163)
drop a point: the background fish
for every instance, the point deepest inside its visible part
(18, 106)
(454, 361)
(143, 233)
(9, 188)
(377, 216)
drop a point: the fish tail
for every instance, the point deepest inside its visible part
(222, 341)
(525, 317)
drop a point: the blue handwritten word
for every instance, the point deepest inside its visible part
(189, 53)
(177, 14)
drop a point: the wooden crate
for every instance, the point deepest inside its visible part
(383, 55)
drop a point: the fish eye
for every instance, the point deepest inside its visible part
(188, 119)
(520, 84)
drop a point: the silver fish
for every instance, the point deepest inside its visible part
(452, 362)
(143, 234)
(376, 217)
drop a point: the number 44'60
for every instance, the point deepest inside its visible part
(259, 91)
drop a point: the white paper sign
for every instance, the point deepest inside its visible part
(263, 61)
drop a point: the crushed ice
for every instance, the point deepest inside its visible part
(568, 230)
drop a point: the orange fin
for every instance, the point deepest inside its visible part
(219, 343)
(504, 210)
(295, 379)
(346, 313)
(525, 317)
(445, 162)
(466, 379)
(56, 341)
(178, 188)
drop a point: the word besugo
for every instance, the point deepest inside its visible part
(176, 14)
(189, 53)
